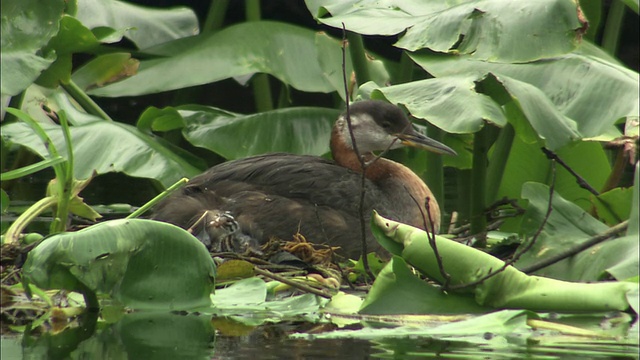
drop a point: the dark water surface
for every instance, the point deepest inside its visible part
(171, 336)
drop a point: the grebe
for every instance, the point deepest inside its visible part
(244, 203)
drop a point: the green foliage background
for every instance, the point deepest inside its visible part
(162, 93)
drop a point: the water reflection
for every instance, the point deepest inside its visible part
(272, 342)
(145, 335)
(139, 335)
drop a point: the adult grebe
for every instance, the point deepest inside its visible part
(243, 203)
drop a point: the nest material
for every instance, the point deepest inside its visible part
(312, 254)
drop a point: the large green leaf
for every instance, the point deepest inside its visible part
(628, 267)
(144, 26)
(110, 146)
(542, 115)
(494, 30)
(526, 162)
(449, 103)
(613, 206)
(56, 100)
(105, 69)
(73, 37)
(455, 104)
(287, 52)
(567, 81)
(233, 136)
(568, 226)
(142, 264)
(27, 26)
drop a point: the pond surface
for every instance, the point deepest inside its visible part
(171, 336)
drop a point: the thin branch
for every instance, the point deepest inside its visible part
(579, 179)
(494, 225)
(363, 230)
(363, 238)
(296, 284)
(528, 247)
(432, 241)
(426, 218)
(575, 250)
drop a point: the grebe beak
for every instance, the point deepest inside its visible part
(417, 140)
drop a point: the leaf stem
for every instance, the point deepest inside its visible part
(178, 184)
(65, 183)
(84, 100)
(358, 58)
(215, 16)
(613, 26)
(16, 103)
(259, 82)
(30, 169)
(27, 217)
(499, 157)
(405, 74)
(477, 203)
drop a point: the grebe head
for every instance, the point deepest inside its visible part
(378, 125)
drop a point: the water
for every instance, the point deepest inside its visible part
(173, 336)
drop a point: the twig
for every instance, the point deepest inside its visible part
(363, 233)
(432, 237)
(496, 208)
(252, 259)
(495, 225)
(518, 254)
(579, 179)
(573, 251)
(292, 283)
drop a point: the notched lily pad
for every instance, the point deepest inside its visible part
(143, 264)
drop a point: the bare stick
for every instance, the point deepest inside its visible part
(518, 254)
(432, 241)
(432, 237)
(579, 179)
(363, 229)
(584, 246)
(293, 283)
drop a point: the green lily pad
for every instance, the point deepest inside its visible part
(142, 264)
